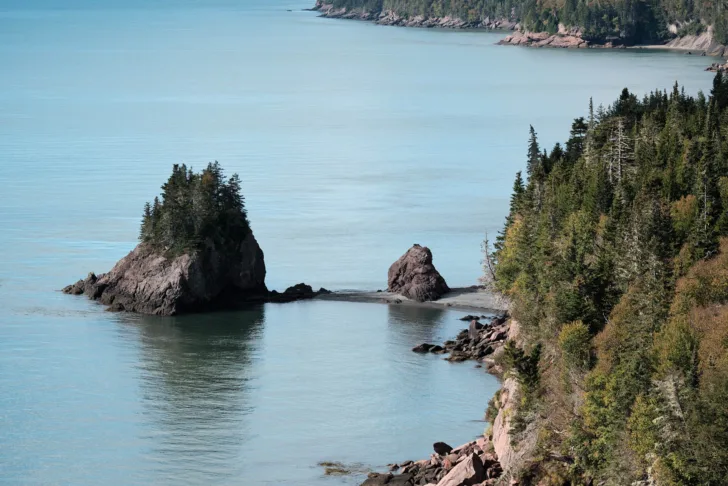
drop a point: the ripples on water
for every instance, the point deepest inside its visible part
(353, 141)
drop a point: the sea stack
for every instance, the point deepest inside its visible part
(197, 252)
(415, 277)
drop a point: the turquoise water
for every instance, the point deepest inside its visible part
(353, 141)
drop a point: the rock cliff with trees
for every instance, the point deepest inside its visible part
(615, 258)
(684, 24)
(196, 252)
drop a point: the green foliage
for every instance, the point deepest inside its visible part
(523, 365)
(621, 235)
(195, 208)
(575, 345)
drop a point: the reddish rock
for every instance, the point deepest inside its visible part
(467, 472)
(415, 277)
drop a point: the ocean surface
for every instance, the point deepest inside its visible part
(353, 141)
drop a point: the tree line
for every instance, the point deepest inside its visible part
(615, 256)
(195, 208)
(620, 21)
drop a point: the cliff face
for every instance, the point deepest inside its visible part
(148, 282)
(704, 42)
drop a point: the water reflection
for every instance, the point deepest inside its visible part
(196, 379)
(416, 324)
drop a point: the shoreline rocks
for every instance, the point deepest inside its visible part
(470, 464)
(716, 67)
(544, 39)
(414, 276)
(480, 342)
(296, 292)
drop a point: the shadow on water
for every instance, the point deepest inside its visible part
(196, 374)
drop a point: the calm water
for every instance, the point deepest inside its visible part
(353, 142)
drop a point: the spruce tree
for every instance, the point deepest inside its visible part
(534, 153)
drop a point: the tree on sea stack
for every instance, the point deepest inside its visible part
(196, 252)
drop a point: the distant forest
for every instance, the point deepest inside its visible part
(624, 21)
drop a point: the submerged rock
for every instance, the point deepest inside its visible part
(423, 348)
(149, 282)
(415, 277)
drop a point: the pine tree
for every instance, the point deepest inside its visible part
(145, 232)
(534, 154)
(706, 192)
(518, 190)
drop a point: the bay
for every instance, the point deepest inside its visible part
(353, 141)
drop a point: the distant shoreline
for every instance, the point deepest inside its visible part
(695, 45)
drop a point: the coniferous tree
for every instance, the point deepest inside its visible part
(534, 153)
(195, 208)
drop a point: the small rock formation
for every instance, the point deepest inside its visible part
(441, 448)
(479, 342)
(423, 348)
(148, 282)
(718, 67)
(544, 39)
(415, 277)
(300, 291)
(470, 464)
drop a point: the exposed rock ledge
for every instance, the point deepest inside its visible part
(544, 39)
(389, 17)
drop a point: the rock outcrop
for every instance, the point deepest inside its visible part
(700, 43)
(544, 39)
(149, 282)
(415, 277)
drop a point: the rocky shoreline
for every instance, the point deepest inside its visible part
(389, 17)
(544, 39)
(564, 39)
(480, 462)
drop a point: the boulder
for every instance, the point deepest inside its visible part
(415, 277)
(376, 479)
(467, 472)
(423, 348)
(148, 281)
(473, 329)
(442, 448)
(296, 292)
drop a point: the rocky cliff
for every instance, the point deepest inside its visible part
(149, 282)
